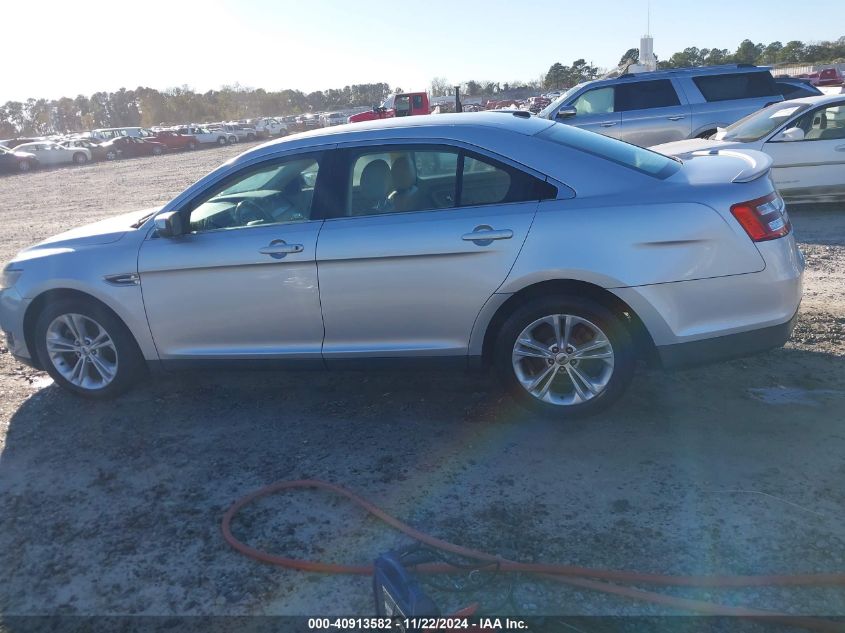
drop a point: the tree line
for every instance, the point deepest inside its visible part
(148, 106)
(560, 76)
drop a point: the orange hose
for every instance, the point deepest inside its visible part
(595, 579)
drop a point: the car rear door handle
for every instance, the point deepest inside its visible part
(484, 235)
(279, 248)
(608, 124)
(676, 117)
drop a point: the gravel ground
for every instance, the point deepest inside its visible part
(114, 508)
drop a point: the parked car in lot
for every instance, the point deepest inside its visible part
(174, 140)
(49, 153)
(240, 132)
(666, 105)
(204, 136)
(268, 127)
(220, 128)
(794, 88)
(333, 118)
(115, 132)
(556, 255)
(804, 137)
(131, 146)
(98, 152)
(17, 161)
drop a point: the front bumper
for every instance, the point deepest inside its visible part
(12, 310)
(720, 348)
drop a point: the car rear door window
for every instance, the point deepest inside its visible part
(401, 179)
(730, 86)
(645, 95)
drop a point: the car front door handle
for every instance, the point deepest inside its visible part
(608, 124)
(279, 248)
(677, 117)
(484, 235)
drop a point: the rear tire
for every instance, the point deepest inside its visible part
(192, 146)
(86, 349)
(222, 141)
(156, 151)
(79, 158)
(24, 166)
(570, 370)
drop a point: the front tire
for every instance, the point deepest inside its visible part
(79, 158)
(24, 166)
(222, 141)
(192, 146)
(565, 355)
(86, 349)
(156, 151)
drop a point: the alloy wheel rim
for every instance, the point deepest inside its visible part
(82, 351)
(563, 359)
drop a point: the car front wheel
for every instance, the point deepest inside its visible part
(79, 158)
(86, 349)
(24, 166)
(568, 356)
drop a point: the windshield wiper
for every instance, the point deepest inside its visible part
(140, 222)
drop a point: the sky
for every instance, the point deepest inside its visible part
(85, 46)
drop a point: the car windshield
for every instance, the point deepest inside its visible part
(625, 154)
(554, 105)
(762, 123)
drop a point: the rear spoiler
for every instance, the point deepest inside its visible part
(758, 162)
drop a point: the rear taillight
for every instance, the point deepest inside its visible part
(764, 218)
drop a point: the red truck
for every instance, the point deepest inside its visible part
(403, 104)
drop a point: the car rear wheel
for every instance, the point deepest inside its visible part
(192, 146)
(24, 165)
(79, 158)
(87, 349)
(111, 155)
(566, 355)
(221, 141)
(156, 151)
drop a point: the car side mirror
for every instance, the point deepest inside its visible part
(169, 224)
(792, 134)
(566, 112)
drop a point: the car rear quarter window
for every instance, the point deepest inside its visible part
(630, 156)
(731, 86)
(644, 95)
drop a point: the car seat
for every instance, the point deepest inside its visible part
(375, 185)
(406, 196)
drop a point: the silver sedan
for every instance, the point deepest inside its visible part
(554, 255)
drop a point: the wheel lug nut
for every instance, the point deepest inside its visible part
(551, 362)
(555, 349)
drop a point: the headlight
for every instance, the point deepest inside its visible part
(9, 277)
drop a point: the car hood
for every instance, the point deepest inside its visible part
(102, 232)
(678, 148)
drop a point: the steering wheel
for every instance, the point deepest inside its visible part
(248, 210)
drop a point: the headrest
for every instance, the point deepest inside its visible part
(404, 173)
(376, 180)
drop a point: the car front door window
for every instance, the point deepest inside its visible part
(274, 193)
(598, 101)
